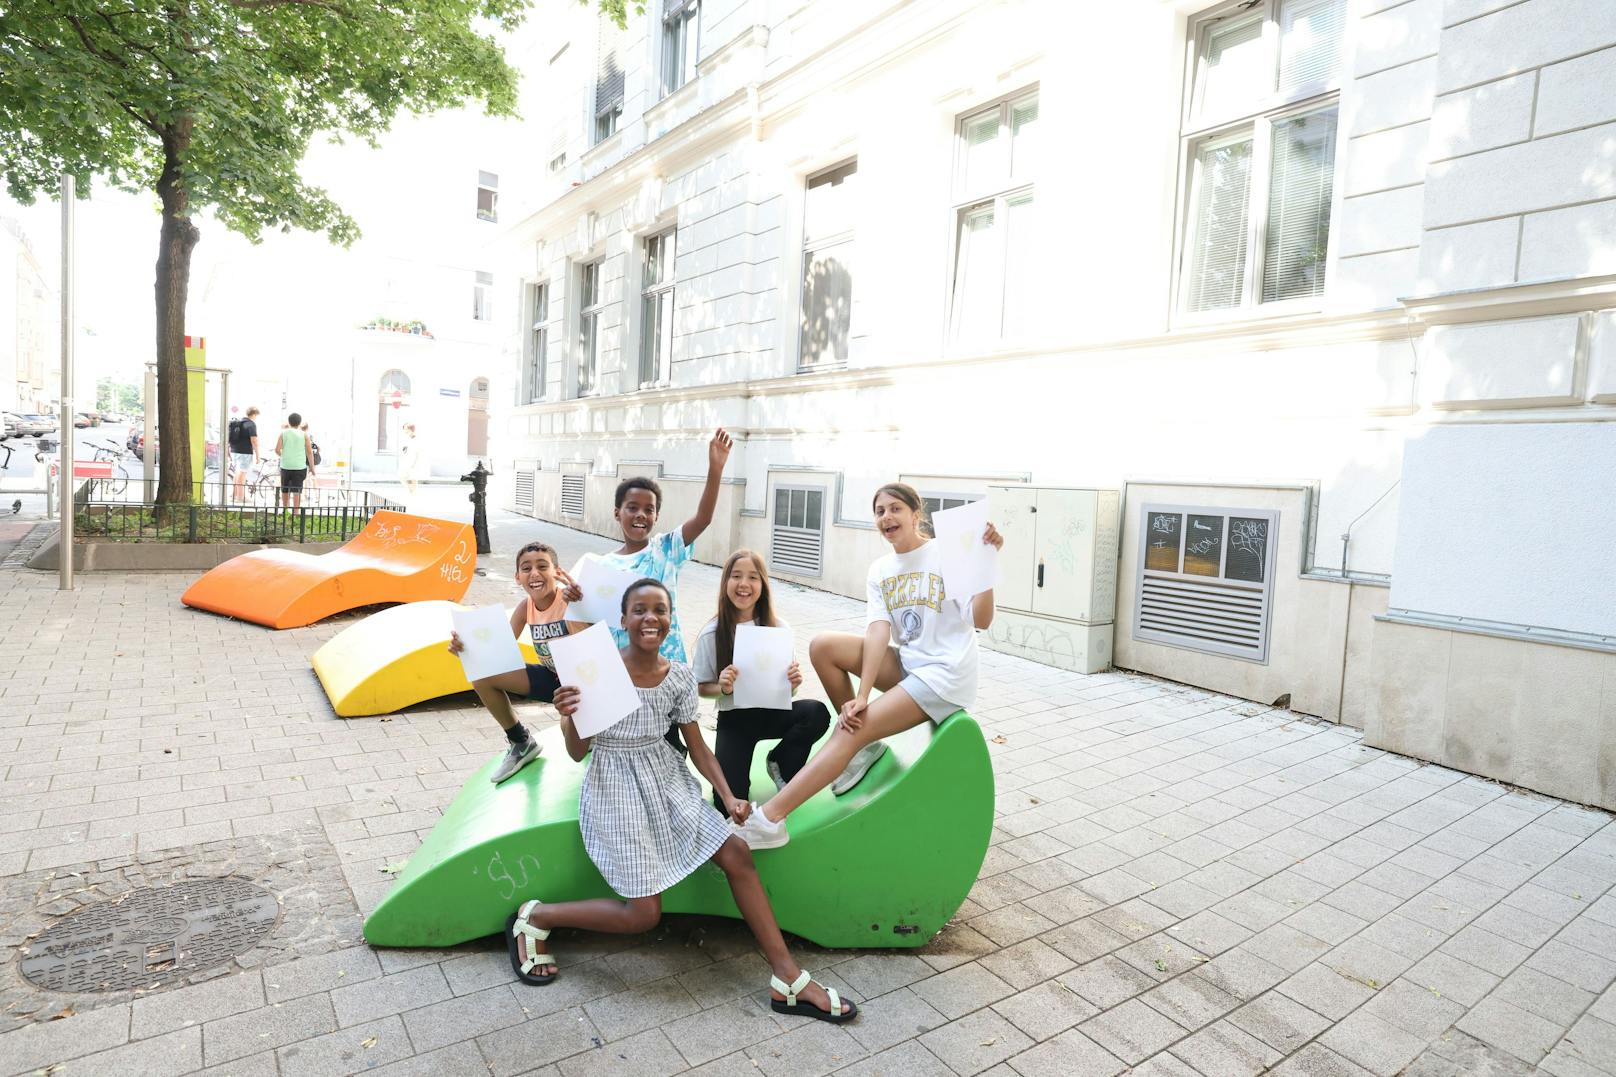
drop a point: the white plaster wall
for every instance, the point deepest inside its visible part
(1514, 525)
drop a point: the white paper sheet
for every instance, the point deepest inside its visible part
(603, 588)
(762, 656)
(490, 648)
(589, 662)
(970, 566)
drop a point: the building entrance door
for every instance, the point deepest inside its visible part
(477, 418)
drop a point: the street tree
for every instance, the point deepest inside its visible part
(211, 105)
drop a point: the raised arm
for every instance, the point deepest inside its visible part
(717, 456)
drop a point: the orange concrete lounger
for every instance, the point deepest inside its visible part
(396, 558)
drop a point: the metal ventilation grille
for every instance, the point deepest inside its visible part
(1219, 615)
(799, 530)
(798, 551)
(572, 495)
(524, 492)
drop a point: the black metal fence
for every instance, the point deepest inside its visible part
(102, 512)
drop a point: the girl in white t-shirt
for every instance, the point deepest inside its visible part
(918, 648)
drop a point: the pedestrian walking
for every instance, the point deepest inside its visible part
(243, 448)
(293, 449)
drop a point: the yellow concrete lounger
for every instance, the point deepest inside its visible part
(394, 659)
(396, 558)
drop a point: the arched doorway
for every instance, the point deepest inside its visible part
(477, 418)
(392, 397)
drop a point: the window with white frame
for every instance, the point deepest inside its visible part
(536, 372)
(609, 80)
(482, 297)
(936, 503)
(827, 266)
(680, 19)
(656, 310)
(993, 271)
(1259, 144)
(798, 530)
(487, 196)
(591, 303)
(1206, 578)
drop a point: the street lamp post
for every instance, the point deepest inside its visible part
(64, 488)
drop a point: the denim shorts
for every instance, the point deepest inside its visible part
(241, 461)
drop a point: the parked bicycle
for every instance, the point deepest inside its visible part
(107, 452)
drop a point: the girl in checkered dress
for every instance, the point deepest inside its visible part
(646, 825)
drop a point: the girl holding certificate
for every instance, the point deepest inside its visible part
(646, 826)
(919, 649)
(746, 600)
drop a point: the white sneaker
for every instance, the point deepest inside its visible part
(858, 767)
(759, 833)
(774, 774)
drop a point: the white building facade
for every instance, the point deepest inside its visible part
(1322, 290)
(30, 366)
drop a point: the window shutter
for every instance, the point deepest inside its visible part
(1309, 42)
(1303, 174)
(609, 79)
(1206, 594)
(1223, 185)
(524, 492)
(572, 495)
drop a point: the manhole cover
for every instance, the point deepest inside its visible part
(151, 937)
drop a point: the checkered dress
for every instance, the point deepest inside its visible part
(645, 822)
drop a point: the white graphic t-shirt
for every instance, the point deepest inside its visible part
(936, 639)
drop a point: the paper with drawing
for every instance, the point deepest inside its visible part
(762, 656)
(603, 588)
(589, 662)
(489, 646)
(970, 566)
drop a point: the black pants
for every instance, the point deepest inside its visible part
(740, 730)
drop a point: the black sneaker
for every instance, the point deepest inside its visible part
(517, 756)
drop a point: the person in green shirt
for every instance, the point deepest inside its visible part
(293, 448)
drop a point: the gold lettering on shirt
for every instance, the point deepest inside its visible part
(913, 589)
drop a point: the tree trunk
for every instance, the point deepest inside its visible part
(178, 239)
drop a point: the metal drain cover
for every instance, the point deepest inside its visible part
(151, 937)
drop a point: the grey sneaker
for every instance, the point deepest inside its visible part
(858, 767)
(517, 756)
(774, 774)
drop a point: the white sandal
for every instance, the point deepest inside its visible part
(790, 1005)
(517, 928)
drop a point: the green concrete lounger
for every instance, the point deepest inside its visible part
(886, 865)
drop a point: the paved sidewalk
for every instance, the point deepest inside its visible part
(1179, 882)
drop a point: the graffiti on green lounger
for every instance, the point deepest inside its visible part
(497, 873)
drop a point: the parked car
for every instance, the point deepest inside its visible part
(81, 421)
(43, 424)
(137, 445)
(27, 426)
(6, 427)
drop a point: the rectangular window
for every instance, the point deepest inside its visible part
(1259, 138)
(1206, 579)
(991, 298)
(827, 267)
(482, 297)
(538, 344)
(936, 503)
(656, 311)
(679, 39)
(798, 530)
(590, 304)
(608, 79)
(487, 196)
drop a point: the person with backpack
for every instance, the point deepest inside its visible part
(243, 448)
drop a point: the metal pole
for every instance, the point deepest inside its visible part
(224, 437)
(148, 454)
(65, 486)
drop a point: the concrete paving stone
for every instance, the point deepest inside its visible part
(1509, 1028)
(876, 974)
(735, 1065)
(1027, 963)
(1486, 950)
(1417, 1010)
(1325, 990)
(1373, 1043)
(1547, 997)
(954, 945)
(1047, 875)
(1107, 981)
(456, 1060)
(648, 1054)
(627, 1012)
(1362, 900)
(1589, 1048)
(1241, 973)
(1548, 904)
(186, 1006)
(230, 1038)
(519, 1046)
(810, 1049)
(1136, 918)
(262, 1064)
(1448, 977)
(1222, 1050)
(976, 1042)
(1364, 960)
(1067, 1054)
(1252, 910)
(463, 1018)
(1403, 936)
(1285, 947)
(1161, 956)
(350, 1050)
(882, 1022)
(1084, 940)
(1326, 923)
(1010, 924)
(173, 1052)
(909, 1059)
(962, 990)
(37, 1045)
(1209, 933)
(1190, 1000)
(1528, 929)
(1279, 1021)
(1045, 1010)
(1133, 1031)
(997, 891)
(664, 957)
(362, 1002)
(1588, 971)
(1316, 1060)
